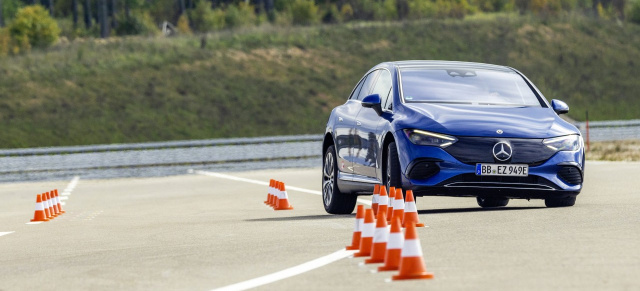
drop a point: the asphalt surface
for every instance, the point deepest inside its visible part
(197, 232)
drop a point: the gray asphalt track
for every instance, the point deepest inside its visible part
(197, 232)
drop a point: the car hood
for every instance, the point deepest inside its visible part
(485, 121)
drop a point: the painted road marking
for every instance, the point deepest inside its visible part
(5, 233)
(293, 271)
(234, 178)
(34, 222)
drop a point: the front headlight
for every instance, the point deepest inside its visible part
(564, 143)
(421, 137)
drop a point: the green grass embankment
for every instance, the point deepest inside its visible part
(277, 81)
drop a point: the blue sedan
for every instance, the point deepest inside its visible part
(451, 129)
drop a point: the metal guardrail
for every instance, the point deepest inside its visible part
(611, 130)
(158, 145)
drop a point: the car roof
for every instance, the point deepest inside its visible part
(419, 63)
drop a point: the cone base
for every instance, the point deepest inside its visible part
(417, 225)
(288, 208)
(358, 255)
(424, 275)
(388, 268)
(34, 220)
(352, 248)
(374, 261)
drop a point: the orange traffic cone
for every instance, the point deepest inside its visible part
(54, 199)
(398, 205)
(50, 201)
(410, 211)
(375, 198)
(357, 229)
(380, 238)
(283, 200)
(383, 200)
(394, 247)
(367, 235)
(411, 263)
(269, 190)
(45, 204)
(58, 200)
(272, 198)
(392, 197)
(39, 214)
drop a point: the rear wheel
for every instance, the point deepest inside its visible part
(334, 201)
(392, 167)
(560, 202)
(492, 202)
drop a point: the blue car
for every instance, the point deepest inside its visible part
(444, 128)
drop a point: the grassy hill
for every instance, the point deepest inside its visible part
(270, 80)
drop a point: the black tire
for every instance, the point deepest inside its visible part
(560, 202)
(334, 201)
(392, 167)
(492, 202)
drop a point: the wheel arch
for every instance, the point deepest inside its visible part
(326, 143)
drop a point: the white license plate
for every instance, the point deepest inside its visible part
(502, 170)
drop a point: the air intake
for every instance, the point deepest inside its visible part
(423, 170)
(570, 174)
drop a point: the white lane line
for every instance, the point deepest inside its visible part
(34, 222)
(5, 233)
(293, 271)
(234, 178)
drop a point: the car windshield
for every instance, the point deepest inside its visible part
(463, 85)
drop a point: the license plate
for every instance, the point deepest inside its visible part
(502, 170)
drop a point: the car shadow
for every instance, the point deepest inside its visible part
(474, 209)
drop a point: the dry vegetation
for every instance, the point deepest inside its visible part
(628, 150)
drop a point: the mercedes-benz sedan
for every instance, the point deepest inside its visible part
(451, 129)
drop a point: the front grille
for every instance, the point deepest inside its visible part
(472, 150)
(570, 175)
(472, 180)
(423, 170)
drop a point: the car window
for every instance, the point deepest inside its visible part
(366, 86)
(383, 88)
(356, 91)
(461, 85)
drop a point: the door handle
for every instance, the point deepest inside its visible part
(340, 119)
(358, 123)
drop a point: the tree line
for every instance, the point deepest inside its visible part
(104, 18)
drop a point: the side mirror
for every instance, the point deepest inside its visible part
(373, 101)
(559, 107)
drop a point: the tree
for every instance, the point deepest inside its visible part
(87, 13)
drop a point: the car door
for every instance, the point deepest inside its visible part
(344, 126)
(366, 155)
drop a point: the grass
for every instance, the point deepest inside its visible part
(628, 150)
(275, 81)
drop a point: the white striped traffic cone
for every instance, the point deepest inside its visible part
(412, 263)
(410, 211)
(398, 205)
(357, 229)
(39, 214)
(380, 238)
(375, 198)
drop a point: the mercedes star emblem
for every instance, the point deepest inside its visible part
(502, 151)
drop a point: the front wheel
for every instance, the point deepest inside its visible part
(560, 202)
(492, 202)
(392, 177)
(334, 201)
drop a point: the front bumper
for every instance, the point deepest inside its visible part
(455, 178)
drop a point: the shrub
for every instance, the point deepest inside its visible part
(5, 42)
(137, 23)
(241, 15)
(346, 11)
(304, 12)
(203, 18)
(385, 10)
(34, 26)
(183, 25)
(332, 14)
(421, 9)
(634, 11)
